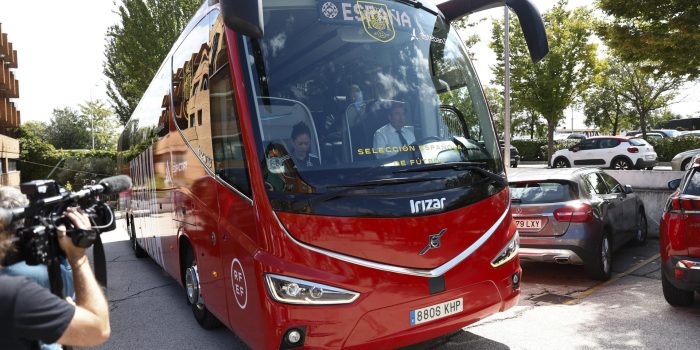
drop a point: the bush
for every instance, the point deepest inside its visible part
(529, 149)
(666, 148)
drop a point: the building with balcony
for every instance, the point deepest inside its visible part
(9, 115)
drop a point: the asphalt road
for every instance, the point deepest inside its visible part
(559, 309)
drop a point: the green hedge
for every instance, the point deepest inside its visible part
(536, 150)
(37, 160)
(667, 148)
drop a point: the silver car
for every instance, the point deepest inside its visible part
(681, 161)
(575, 216)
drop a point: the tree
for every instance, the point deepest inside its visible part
(72, 129)
(67, 130)
(550, 86)
(604, 105)
(663, 34)
(626, 95)
(647, 92)
(102, 124)
(136, 47)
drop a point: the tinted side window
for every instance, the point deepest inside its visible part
(615, 187)
(597, 183)
(589, 144)
(609, 143)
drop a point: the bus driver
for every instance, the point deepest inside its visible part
(392, 136)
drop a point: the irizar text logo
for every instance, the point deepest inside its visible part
(427, 205)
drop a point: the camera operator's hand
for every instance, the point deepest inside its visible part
(90, 324)
(80, 221)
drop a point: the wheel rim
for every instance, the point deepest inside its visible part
(686, 166)
(642, 230)
(621, 164)
(192, 287)
(560, 164)
(605, 255)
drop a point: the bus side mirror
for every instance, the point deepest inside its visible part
(530, 20)
(674, 184)
(243, 16)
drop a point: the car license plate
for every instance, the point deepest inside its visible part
(436, 311)
(528, 224)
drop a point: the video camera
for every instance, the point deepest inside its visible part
(36, 239)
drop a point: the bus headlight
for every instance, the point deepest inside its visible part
(508, 252)
(295, 291)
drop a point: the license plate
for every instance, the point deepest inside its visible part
(528, 224)
(436, 311)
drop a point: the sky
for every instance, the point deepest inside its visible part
(60, 47)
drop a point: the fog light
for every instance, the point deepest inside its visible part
(516, 279)
(293, 336)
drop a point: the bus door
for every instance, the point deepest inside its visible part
(237, 222)
(199, 187)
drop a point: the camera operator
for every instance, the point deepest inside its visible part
(30, 313)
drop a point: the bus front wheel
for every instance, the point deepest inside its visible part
(194, 295)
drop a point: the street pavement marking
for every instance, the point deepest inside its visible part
(598, 286)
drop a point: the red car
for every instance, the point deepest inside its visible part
(680, 239)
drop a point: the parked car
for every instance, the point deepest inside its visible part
(514, 155)
(694, 133)
(653, 136)
(682, 161)
(679, 239)
(575, 216)
(664, 132)
(615, 152)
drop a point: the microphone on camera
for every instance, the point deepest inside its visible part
(115, 184)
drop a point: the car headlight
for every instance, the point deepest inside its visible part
(508, 252)
(295, 291)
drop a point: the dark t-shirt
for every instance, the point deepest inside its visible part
(30, 312)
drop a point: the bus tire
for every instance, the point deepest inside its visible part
(138, 251)
(192, 291)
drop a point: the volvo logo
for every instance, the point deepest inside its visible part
(433, 241)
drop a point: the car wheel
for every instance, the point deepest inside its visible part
(621, 163)
(600, 265)
(686, 165)
(650, 168)
(675, 296)
(514, 165)
(561, 162)
(139, 252)
(640, 236)
(193, 292)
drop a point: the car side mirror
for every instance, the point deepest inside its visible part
(674, 184)
(574, 149)
(627, 189)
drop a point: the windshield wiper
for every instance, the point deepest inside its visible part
(471, 166)
(345, 189)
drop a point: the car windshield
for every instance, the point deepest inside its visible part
(541, 192)
(350, 93)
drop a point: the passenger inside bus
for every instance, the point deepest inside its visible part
(395, 134)
(301, 141)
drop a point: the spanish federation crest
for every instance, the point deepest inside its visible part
(377, 20)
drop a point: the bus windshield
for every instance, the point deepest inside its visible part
(362, 94)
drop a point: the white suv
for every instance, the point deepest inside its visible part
(607, 151)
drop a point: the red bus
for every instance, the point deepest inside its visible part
(325, 174)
